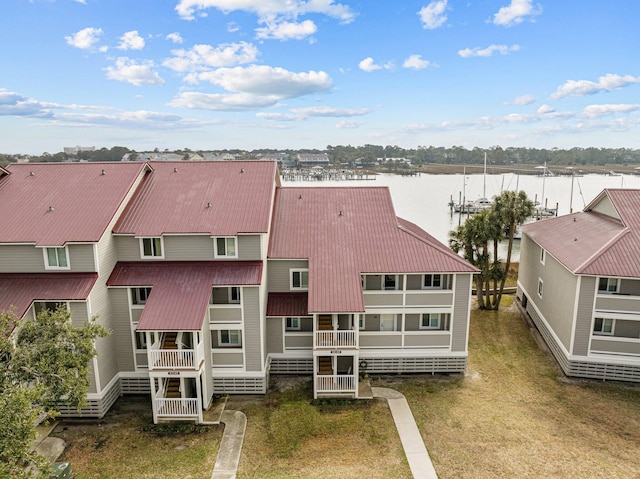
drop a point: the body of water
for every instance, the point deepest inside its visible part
(423, 199)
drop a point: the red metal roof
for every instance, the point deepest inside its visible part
(287, 304)
(346, 231)
(180, 291)
(593, 243)
(51, 204)
(19, 290)
(218, 198)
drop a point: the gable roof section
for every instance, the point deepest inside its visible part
(594, 243)
(215, 198)
(180, 291)
(346, 231)
(51, 204)
(19, 290)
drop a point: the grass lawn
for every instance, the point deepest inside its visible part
(512, 415)
(119, 448)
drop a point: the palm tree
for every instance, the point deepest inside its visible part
(511, 209)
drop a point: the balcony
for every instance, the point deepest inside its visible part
(186, 359)
(335, 339)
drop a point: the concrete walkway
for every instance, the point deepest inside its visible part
(414, 448)
(235, 424)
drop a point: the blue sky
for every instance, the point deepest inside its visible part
(215, 74)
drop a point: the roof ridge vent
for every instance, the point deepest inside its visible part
(102, 173)
(50, 208)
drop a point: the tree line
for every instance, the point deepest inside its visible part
(368, 155)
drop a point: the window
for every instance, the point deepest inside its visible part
(609, 285)
(603, 326)
(299, 279)
(141, 340)
(151, 248)
(56, 258)
(234, 295)
(361, 323)
(293, 324)
(226, 247)
(390, 281)
(540, 283)
(542, 255)
(432, 281)
(430, 321)
(140, 295)
(40, 306)
(229, 338)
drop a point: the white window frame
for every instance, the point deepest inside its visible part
(432, 280)
(540, 287)
(225, 253)
(543, 255)
(395, 285)
(153, 254)
(230, 344)
(301, 286)
(601, 331)
(611, 282)
(361, 323)
(136, 299)
(57, 250)
(430, 317)
(292, 323)
(143, 340)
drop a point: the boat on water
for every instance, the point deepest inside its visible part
(472, 207)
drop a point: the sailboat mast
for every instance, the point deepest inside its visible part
(484, 184)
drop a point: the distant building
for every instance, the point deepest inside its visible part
(74, 150)
(309, 160)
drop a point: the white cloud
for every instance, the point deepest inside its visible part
(607, 82)
(233, 27)
(488, 51)
(516, 12)
(84, 2)
(131, 41)
(327, 111)
(278, 116)
(433, 15)
(546, 109)
(223, 102)
(268, 9)
(368, 65)
(522, 100)
(175, 37)
(596, 111)
(265, 81)
(201, 57)
(85, 39)
(15, 104)
(137, 74)
(416, 62)
(286, 30)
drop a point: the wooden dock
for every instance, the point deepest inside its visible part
(322, 174)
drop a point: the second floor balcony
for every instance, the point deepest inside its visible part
(170, 352)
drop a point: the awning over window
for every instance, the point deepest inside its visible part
(180, 291)
(287, 304)
(19, 290)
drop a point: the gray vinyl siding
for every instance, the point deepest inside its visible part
(414, 281)
(460, 316)
(81, 258)
(559, 289)
(278, 274)
(383, 299)
(584, 316)
(627, 329)
(225, 315)
(614, 347)
(79, 316)
(249, 247)
(381, 340)
(427, 340)
(274, 335)
(630, 287)
(187, 248)
(21, 259)
(119, 299)
(252, 334)
(127, 248)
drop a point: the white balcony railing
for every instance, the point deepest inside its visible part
(335, 383)
(176, 358)
(336, 339)
(177, 408)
